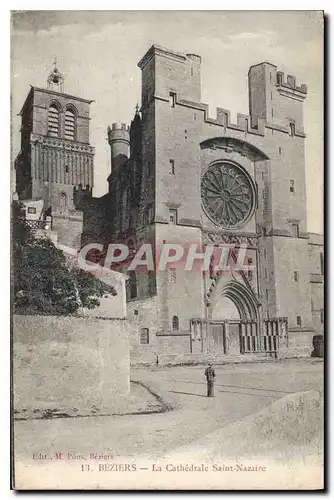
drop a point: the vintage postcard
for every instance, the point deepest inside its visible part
(167, 250)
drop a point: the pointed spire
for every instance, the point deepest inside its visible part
(137, 109)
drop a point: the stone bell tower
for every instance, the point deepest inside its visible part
(56, 155)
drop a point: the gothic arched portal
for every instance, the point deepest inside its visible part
(228, 325)
(242, 298)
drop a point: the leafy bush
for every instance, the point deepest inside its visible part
(42, 280)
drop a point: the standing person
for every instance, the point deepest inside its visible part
(210, 379)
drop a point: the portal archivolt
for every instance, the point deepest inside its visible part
(242, 297)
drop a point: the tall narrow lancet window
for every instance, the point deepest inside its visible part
(53, 121)
(69, 125)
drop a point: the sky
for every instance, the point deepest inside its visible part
(98, 52)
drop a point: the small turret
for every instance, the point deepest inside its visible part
(119, 141)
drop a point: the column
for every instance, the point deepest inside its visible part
(82, 181)
(272, 331)
(48, 164)
(243, 333)
(227, 337)
(90, 178)
(249, 333)
(265, 335)
(71, 168)
(75, 168)
(86, 160)
(44, 165)
(253, 339)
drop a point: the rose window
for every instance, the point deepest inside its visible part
(228, 195)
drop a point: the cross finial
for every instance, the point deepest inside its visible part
(55, 62)
(137, 109)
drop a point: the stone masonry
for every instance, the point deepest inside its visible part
(180, 176)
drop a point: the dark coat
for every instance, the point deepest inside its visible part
(210, 374)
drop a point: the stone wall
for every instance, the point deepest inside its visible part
(69, 362)
(317, 297)
(290, 256)
(317, 264)
(175, 343)
(299, 344)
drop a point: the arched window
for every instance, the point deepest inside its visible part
(53, 121)
(175, 323)
(144, 336)
(63, 201)
(70, 125)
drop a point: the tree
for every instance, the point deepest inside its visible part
(42, 279)
(89, 288)
(21, 232)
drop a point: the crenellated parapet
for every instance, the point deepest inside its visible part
(244, 122)
(288, 86)
(223, 118)
(118, 132)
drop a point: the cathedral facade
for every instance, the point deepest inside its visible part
(179, 176)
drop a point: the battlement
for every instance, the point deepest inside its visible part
(119, 132)
(119, 126)
(290, 83)
(176, 76)
(244, 124)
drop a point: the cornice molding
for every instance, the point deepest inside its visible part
(59, 143)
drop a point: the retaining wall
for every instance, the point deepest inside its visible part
(69, 362)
